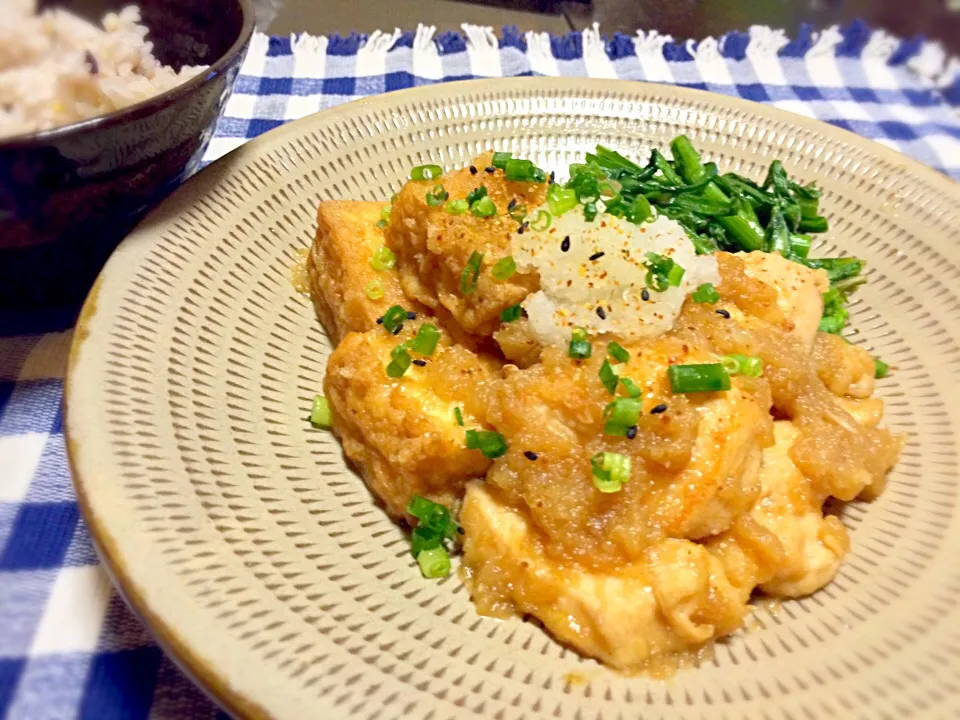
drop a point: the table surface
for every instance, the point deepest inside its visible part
(68, 645)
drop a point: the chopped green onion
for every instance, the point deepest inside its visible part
(382, 224)
(476, 194)
(500, 159)
(434, 563)
(491, 444)
(383, 259)
(633, 390)
(483, 207)
(608, 377)
(400, 361)
(426, 172)
(580, 348)
(423, 538)
(523, 171)
(320, 415)
(456, 207)
(880, 368)
(639, 210)
(437, 196)
(706, 293)
(518, 212)
(394, 317)
(618, 352)
(458, 416)
(504, 268)
(470, 274)
(384, 217)
(621, 415)
(748, 365)
(374, 290)
(707, 377)
(561, 200)
(610, 471)
(542, 221)
(662, 272)
(514, 312)
(590, 211)
(432, 515)
(426, 339)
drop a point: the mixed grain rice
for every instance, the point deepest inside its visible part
(57, 69)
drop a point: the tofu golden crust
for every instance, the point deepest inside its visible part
(694, 465)
(433, 246)
(339, 268)
(402, 433)
(674, 598)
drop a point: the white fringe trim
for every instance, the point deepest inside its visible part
(765, 42)
(650, 44)
(379, 43)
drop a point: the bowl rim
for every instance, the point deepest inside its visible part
(144, 107)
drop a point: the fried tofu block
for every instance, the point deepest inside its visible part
(673, 599)
(434, 246)
(339, 268)
(402, 433)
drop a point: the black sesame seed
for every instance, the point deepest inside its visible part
(473, 170)
(601, 313)
(526, 224)
(411, 315)
(723, 313)
(523, 312)
(460, 530)
(380, 320)
(631, 432)
(520, 230)
(490, 169)
(662, 407)
(553, 176)
(530, 455)
(419, 363)
(565, 245)
(397, 329)
(645, 295)
(597, 255)
(512, 204)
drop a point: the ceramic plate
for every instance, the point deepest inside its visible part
(262, 564)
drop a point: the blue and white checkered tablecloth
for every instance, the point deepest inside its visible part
(68, 645)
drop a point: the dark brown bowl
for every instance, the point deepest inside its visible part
(69, 195)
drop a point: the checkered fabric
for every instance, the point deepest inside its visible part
(68, 645)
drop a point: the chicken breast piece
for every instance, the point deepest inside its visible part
(673, 599)
(434, 246)
(694, 462)
(339, 268)
(813, 545)
(799, 291)
(402, 432)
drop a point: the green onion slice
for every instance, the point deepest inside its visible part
(880, 368)
(707, 377)
(561, 200)
(426, 339)
(437, 196)
(394, 317)
(618, 352)
(621, 415)
(374, 290)
(590, 211)
(706, 293)
(500, 159)
(476, 194)
(662, 272)
(610, 471)
(383, 259)
(491, 444)
(400, 361)
(748, 365)
(633, 390)
(522, 171)
(432, 515)
(504, 268)
(426, 172)
(470, 274)
(456, 207)
(542, 221)
(320, 415)
(608, 377)
(458, 416)
(580, 348)
(434, 563)
(483, 207)
(514, 312)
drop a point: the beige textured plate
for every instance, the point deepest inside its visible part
(259, 559)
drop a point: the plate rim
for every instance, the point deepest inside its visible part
(186, 656)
